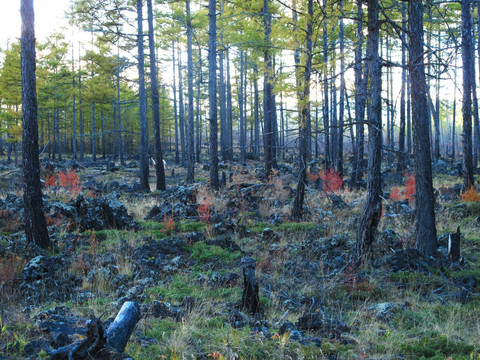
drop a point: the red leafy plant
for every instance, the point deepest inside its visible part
(332, 181)
(410, 187)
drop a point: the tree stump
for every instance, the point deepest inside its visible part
(454, 246)
(250, 299)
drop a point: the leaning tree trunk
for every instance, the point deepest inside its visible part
(424, 200)
(143, 103)
(159, 169)
(373, 208)
(35, 223)
(212, 93)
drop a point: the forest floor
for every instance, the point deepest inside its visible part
(178, 254)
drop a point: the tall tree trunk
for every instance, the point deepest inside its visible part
(119, 114)
(401, 136)
(59, 141)
(342, 93)
(159, 170)
(94, 153)
(467, 60)
(424, 200)
(256, 147)
(190, 124)
(229, 110)
(74, 112)
(224, 135)
(360, 99)
(35, 223)
(303, 113)
(181, 112)
(326, 111)
(82, 140)
(197, 115)
(268, 99)
(143, 102)
(103, 135)
(454, 115)
(373, 208)
(175, 113)
(241, 108)
(212, 93)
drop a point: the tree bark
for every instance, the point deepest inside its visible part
(175, 113)
(303, 80)
(467, 60)
(35, 223)
(212, 93)
(143, 102)
(268, 101)
(159, 169)
(426, 234)
(373, 208)
(190, 124)
(401, 136)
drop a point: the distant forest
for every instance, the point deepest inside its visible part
(352, 86)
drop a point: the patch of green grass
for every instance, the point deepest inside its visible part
(258, 227)
(436, 346)
(203, 253)
(295, 226)
(192, 226)
(182, 286)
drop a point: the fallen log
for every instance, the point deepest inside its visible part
(122, 327)
(100, 344)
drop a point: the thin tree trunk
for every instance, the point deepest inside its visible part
(326, 124)
(212, 94)
(268, 101)
(94, 153)
(401, 137)
(190, 124)
(373, 208)
(175, 113)
(159, 170)
(181, 105)
(424, 200)
(467, 60)
(35, 223)
(103, 135)
(342, 94)
(304, 113)
(143, 103)
(223, 108)
(74, 112)
(360, 89)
